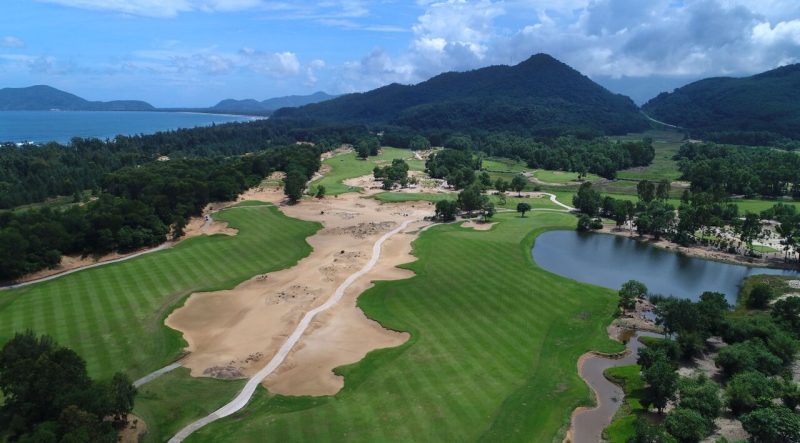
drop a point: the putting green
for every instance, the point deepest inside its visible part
(113, 315)
(493, 353)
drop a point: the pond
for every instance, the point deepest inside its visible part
(610, 260)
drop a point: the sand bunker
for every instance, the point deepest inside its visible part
(233, 333)
(478, 226)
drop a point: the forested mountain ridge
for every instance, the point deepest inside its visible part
(44, 98)
(538, 96)
(761, 109)
(270, 104)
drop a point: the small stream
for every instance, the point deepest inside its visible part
(588, 424)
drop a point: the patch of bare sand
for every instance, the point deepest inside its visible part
(343, 334)
(134, 431)
(478, 226)
(234, 333)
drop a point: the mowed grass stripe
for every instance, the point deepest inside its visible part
(113, 315)
(495, 341)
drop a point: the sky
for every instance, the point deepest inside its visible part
(197, 52)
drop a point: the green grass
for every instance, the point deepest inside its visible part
(492, 354)
(499, 164)
(511, 200)
(663, 167)
(175, 399)
(764, 249)
(345, 166)
(622, 427)
(113, 315)
(562, 177)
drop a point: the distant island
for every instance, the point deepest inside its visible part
(47, 98)
(44, 98)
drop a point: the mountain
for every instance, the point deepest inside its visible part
(43, 98)
(540, 95)
(270, 104)
(751, 110)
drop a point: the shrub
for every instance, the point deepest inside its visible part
(687, 425)
(759, 296)
(749, 390)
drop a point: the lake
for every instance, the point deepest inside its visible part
(61, 126)
(611, 260)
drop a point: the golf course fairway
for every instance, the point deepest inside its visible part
(492, 355)
(113, 315)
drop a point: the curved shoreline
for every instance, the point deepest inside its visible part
(587, 424)
(699, 252)
(243, 397)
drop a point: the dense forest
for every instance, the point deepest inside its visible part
(740, 170)
(540, 96)
(760, 110)
(138, 207)
(35, 172)
(49, 397)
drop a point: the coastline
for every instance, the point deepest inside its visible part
(702, 252)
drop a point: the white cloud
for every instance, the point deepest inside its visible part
(11, 42)
(598, 37)
(159, 8)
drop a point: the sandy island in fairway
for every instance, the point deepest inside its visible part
(233, 333)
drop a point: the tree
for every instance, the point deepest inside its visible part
(446, 210)
(294, 184)
(649, 433)
(759, 296)
(501, 185)
(629, 292)
(584, 223)
(418, 143)
(522, 208)
(686, 425)
(712, 309)
(787, 312)
(700, 394)
(320, 191)
(749, 229)
(747, 391)
(488, 211)
(646, 191)
(587, 200)
(471, 199)
(662, 381)
(485, 180)
(772, 424)
(677, 315)
(662, 191)
(362, 149)
(750, 355)
(518, 184)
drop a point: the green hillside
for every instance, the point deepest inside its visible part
(540, 95)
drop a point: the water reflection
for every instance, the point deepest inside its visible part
(610, 260)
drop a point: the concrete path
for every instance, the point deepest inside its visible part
(555, 200)
(249, 389)
(155, 374)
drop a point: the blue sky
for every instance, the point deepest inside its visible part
(197, 52)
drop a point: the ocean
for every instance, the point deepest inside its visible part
(61, 126)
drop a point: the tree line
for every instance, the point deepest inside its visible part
(744, 171)
(704, 218)
(141, 207)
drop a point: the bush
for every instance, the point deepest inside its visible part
(751, 355)
(749, 390)
(584, 223)
(759, 296)
(687, 425)
(772, 425)
(648, 433)
(700, 394)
